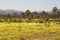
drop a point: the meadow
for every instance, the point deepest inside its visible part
(29, 31)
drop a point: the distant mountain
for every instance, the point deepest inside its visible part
(11, 11)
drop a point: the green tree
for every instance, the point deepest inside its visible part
(55, 13)
(28, 14)
(45, 17)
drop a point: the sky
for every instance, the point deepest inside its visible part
(32, 5)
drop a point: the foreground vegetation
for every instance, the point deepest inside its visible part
(29, 31)
(30, 26)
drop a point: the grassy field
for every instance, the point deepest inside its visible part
(29, 31)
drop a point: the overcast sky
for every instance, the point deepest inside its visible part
(33, 5)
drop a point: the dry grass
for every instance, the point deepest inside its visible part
(29, 31)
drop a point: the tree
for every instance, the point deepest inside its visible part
(35, 15)
(44, 15)
(28, 14)
(46, 18)
(55, 13)
(15, 15)
(22, 15)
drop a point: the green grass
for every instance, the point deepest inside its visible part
(32, 31)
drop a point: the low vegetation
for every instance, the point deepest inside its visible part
(29, 31)
(30, 26)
